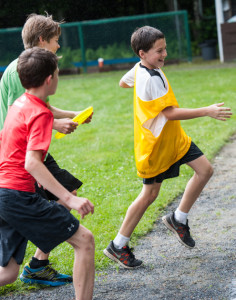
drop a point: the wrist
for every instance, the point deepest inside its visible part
(55, 124)
(207, 111)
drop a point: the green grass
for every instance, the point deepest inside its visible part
(101, 153)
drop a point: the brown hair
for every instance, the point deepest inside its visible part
(39, 25)
(144, 37)
(35, 65)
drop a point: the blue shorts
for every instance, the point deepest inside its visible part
(27, 216)
(193, 153)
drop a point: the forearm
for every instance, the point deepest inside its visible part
(216, 111)
(175, 113)
(41, 174)
(61, 114)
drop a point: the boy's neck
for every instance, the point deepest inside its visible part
(37, 92)
(145, 66)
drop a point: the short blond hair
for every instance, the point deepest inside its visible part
(39, 25)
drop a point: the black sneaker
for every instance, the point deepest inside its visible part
(123, 256)
(180, 230)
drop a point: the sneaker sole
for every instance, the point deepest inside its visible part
(118, 261)
(42, 282)
(166, 223)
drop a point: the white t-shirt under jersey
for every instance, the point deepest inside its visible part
(149, 86)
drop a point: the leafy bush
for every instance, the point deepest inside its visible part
(69, 56)
(108, 52)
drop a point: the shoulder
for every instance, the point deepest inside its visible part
(11, 68)
(10, 74)
(32, 106)
(151, 84)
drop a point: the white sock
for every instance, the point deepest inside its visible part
(120, 241)
(181, 217)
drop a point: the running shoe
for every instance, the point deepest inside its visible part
(181, 231)
(123, 256)
(44, 275)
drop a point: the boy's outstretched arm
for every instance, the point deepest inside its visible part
(34, 165)
(216, 111)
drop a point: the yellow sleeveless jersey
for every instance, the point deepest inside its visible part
(154, 155)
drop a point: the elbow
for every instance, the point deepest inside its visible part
(30, 165)
(169, 113)
(121, 83)
(170, 117)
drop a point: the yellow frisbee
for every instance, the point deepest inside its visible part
(80, 118)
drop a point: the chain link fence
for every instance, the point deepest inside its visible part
(83, 43)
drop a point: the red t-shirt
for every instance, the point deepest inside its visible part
(28, 126)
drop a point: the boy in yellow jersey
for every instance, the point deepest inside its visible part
(160, 143)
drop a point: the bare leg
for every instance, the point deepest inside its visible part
(203, 172)
(136, 210)
(83, 271)
(9, 273)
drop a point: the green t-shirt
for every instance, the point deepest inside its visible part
(10, 90)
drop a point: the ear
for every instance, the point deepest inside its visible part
(141, 53)
(48, 80)
(41, 41)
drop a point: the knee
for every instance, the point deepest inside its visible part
(209, 172)
(87, 242)
(9, 279)
(13, 278)
(9, 273)
(149, 198)
(89, 239)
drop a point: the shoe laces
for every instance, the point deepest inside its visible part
(186, 229)
(51, 270)
(129, 251)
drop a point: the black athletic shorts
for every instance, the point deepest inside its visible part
(193, 153)
(63, 176)
(27, 216)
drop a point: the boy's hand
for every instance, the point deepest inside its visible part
(88, 120)
(82, 205)
(218, 112)
(65, 126)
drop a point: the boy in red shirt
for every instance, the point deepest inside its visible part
(44, 32)
(24, 214)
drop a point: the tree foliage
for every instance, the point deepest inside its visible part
(14, 13)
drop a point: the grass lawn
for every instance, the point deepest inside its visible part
(101, 153)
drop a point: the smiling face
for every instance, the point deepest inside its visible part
(52, 45)
(154, 58)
